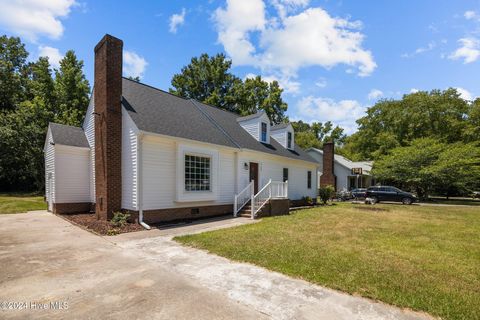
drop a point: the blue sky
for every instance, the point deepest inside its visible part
(333, 58)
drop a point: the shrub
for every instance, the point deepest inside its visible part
(308, 200)
(326, 193)
(119, 219)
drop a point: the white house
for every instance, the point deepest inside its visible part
(162, 157)
(339, 171)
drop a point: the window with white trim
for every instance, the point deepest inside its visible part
(264, 132)
(197, 173)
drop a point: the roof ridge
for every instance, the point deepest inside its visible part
(155, 88)
(194, 102)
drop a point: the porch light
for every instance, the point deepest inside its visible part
(245, 166)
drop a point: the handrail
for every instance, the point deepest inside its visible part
(244, 197)
(266, 193)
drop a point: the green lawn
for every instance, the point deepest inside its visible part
(424, 258)
(15, 203)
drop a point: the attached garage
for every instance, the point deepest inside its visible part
(67, 169)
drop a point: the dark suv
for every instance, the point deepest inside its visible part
(385, 193)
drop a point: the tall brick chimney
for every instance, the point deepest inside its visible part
(108, 126)
(328, 175)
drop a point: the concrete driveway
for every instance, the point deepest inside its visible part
(62, 271)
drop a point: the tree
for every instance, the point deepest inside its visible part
(208, 79)
(13, 72)
(254, 94)
(42, 84)
(431, 166)
(22, 135)
(388, 124)
(72, 90)
(313, 136)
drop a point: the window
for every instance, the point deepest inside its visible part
(264, 132)
(197, 173)
(285, 174)
(289, 141)
(309, 179)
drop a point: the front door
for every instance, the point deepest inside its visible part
(254, 175)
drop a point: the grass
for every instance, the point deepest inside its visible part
(455, 201)
(424, 258)
(17, 202)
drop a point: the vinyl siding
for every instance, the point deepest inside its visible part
(49, 168)
(253, 126)
(272, 168)
(281, 136)
(89, 128)
(129, 163)
(72, 181)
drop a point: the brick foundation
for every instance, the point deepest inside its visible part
(276, 207)
(172, 214)
(65, 208)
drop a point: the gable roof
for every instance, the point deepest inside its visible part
(157, 111)
(68, 135)
(280, 126)
(251, 116)
(347, 163)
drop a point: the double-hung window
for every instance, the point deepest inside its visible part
(285, 174)
(197, 173)
(309, 179)
(264, 132)
(289, 141)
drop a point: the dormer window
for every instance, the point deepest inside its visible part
(264, 132)
(284, 135)
(289, 140)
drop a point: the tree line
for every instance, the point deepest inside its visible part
(32, 94)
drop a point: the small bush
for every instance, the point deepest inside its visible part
(119, 219)
(112, 232)
(326, 193)
(308, 200)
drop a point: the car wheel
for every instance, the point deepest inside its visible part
(374, 200)
(407, 201)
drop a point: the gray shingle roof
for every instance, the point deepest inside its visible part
(279, 126)
(68, 135)
(156, 111)
(365, 165)
(250, 116)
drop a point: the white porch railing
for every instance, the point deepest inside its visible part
(273, 189)
(242, 198)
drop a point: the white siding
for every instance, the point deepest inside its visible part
(281, 136)
(340, 171)
(159, 174)
(272, 168)
(89, 129)
(49, 168)
(129, 162)
(72, 180)
(253, 127)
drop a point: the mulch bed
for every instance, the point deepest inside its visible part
(105, 228)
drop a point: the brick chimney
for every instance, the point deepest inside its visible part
(108, 126)
(328, 175)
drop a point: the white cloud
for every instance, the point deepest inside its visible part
(133, 64)
(375, 94)
(321, 83)
(309, 38)
(286, 83)
(431, 45)
(465, 94)
(469, 50)
(31, 18)
(414, 90)
(177, 20)
(470, 14)
(53, 54)
(343, 113)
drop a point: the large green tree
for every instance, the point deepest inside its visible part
(442, 115)
(429, 166)
(13, 72)
(208, 79)
(314, 135)
(72, 90)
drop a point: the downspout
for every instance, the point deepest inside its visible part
(140, 182)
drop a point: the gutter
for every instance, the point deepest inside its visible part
(139, 182)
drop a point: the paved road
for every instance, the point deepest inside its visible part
(146, 275)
